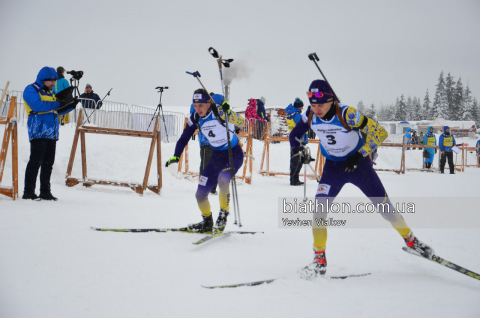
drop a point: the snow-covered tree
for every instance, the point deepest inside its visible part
(450, 91)
(418, 112)
(426, 107)
(401, 109)
(458, 101)
(371, 112)
(440, 103)
(361, 107)
(475, 111)
(409, 109)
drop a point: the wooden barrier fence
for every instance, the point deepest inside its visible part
(10, 133)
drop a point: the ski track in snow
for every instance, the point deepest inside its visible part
(53, 265)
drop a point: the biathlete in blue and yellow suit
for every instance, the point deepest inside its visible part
(338, 127)
(210, 119)
(429, 139)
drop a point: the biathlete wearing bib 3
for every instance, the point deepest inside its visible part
(347, 161)
(212, 126)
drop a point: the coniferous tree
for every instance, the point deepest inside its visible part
(467, 105)
(409, 109)
(450, 91)
(361, 107)
(440, 104)
(417, 114)
(460, 109)
(426, 107)
(372, 113)
(401, 109)
(475, 111)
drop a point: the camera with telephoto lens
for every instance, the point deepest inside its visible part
(76, 74)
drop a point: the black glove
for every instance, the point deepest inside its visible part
(352, 162)
(65, 105)
(226, 107)
(172, 160)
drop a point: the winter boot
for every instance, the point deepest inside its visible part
(420, 248)
(221, 220)
(29, 196)
(317, 267)
(202, 227)
(47, 196)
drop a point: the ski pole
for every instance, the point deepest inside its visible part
(108, 94)
(230, 155)
(226, 63)
(313, 57)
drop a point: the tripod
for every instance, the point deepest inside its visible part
(157, 111)
(74, 82)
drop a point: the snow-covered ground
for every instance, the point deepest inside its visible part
(53, 265)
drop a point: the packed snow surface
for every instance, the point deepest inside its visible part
(53, 265)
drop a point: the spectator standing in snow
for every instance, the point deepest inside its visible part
(446, 143)
(261, 114)
(294, 115)
(59, 86)
(43, 110)
(89, 94)
(408, 137)
(252, 116)
(414, 138)
(429, 153)
(478, 152)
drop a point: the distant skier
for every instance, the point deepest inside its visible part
(210, 119)
(429, 139)
(446, 143)
(338, 127)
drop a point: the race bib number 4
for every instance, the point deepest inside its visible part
(323, 188)
(202, 180)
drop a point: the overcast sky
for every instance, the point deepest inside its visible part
(369, 50)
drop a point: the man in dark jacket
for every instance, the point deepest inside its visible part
(446, 143)
(90, 99)
(43, 110)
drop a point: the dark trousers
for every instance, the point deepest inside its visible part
(443, 158)
(42, 154)
(295, 167)
(205, 155)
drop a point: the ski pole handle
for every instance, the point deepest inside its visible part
(213, 52)
(195, 74)
(313, 56)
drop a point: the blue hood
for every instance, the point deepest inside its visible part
(46, 73)
(408, 129)
(291, 109)
(428, 130)
(445, 129)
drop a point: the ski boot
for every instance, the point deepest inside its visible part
(420, 248)
(202, 227)
(221, 221)
(317, 267)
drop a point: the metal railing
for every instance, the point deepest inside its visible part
(111, 115)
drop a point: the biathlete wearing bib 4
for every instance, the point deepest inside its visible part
(218, 168)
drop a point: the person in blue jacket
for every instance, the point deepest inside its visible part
(43, 110)
(59, 86)
(446, 143)
(429, 139)
(478, 152)
(205, 149)
(408, 137)
(294, 115)
(62, 82)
